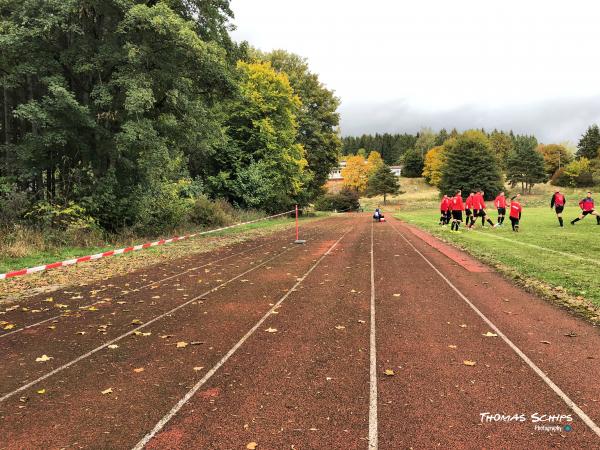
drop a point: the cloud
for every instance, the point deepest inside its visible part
(549, 120)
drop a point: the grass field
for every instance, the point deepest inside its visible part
(553, 260)
(567, 258)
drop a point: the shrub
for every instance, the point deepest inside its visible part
(345, 200)
(162, 209)
(210, 214)
(577, 173)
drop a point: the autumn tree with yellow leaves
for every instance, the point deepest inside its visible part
(432, 168)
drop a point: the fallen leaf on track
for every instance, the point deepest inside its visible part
(466, 362)
(545, 342)
(181, 344)
(10, 326)
(252, 446)
(107, 391)
(136, 322)
(452, 346)
(389, 372)
(490, 334)
(361, 321)
(138, 370)
(43, 358)
(571, 334)
(340, 327)
(396, 295)
(80, 332)
(271, 330)
(463, 325)
(41, 391)
(113, 346)
(198, 368)
(166, 336)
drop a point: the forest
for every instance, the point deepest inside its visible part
(146, 116)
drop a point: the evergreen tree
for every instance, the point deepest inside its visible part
(441, 137)
(383, 182)
(470, 165)
(589, 144)
(412, 164)
(525, 165)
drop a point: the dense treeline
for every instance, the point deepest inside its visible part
(447, 159)
(124, 114)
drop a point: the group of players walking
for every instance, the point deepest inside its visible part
(474, 207)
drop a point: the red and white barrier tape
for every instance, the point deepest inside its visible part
(133, 248)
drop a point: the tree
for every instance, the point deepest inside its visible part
(265, 166)
(589, 144)
(441, 137)
(501, 145)
(525, 164)
(374, 162)
(356, 173)
(383, 182)
(412, 164)
(555, 157)
(317, 116)
(470, 165)
(434, 162)
(425, 141)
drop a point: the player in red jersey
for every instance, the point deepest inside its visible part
(481, 203)
(444, 208)
(558, 203)
(515, 212)
(457, 210)
(500, 204)
(587, 207)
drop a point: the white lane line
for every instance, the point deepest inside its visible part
(373, 435)
(133, 290)
(162, 422)
(545, 249)
(97, 349)
(558, 391)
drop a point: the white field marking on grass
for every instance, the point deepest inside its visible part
(162, 422)
(558, 391)
(133, 290)
(539, 247)
(106, 344)
(373, 435)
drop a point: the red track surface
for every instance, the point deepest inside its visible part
(307, 384)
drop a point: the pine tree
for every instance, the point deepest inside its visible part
(470, 165)
(383, 182)
(525, 165)
(413, 164)
(589, 144)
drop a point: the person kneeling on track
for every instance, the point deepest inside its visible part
(500, 203)
(515, 212)
(558, 203)
(378, 215)
(457, 211)
(587, 207)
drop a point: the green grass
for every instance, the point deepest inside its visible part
(539, 227)
(37, 258)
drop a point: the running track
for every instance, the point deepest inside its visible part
(288, 347)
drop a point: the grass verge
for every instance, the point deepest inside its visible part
(560, 263)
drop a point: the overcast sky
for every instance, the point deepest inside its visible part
(398, 65)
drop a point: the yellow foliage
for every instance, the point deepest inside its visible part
(356, 173)
(432, 168)
(374, 162)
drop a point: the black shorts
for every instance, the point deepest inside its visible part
(476, 212)
(559, 209)
(514, 220)
(482, 213)
(501, 211)
(585, 213)
(457, 215)
(468, 212)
